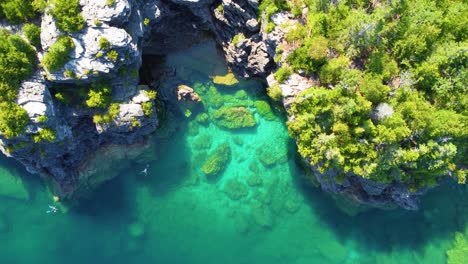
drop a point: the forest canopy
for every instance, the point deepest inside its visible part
(391, 94)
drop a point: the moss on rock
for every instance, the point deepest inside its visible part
(217, 161)
(228, 79)
(234, 117)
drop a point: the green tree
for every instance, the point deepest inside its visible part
(58, 54)
(33, 34)
(67, 15)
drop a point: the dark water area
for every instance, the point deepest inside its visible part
(260, 209)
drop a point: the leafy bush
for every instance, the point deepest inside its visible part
(33, 34)
(233, 117)
(45, 134)
(104, 44)
(282, 74)
(13, 119)
(373, 89)
(109, 116)
(112, 55)
(17, 62)
(58, 54)
(147, 108)
(151, 94)
(100, 95)
(336, 144)
(67, 15)
(332, 71)
(16, 11)
(217, 161)
(110, 2)
(275, 93)
(42, 119)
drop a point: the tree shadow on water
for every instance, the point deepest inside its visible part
(442, 212)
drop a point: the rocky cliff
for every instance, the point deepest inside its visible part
(132, 28)
(152, 27)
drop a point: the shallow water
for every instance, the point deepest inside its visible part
(254, 212)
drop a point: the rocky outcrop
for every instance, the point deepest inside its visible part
(361, 191)
(82, 149)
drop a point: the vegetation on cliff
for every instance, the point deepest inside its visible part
(67, 15)
(17, 11)
(391, 96)
(58, 54)
(17, 62)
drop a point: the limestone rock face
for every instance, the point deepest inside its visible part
(67, 158)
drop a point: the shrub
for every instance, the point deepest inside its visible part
(70, 74)
(373, 89)
(104, 44)
(17, 11)
(275, 93)
(13, 119)
(151, 94)
(237, 38)
(233, 117)
(108, 117)
(217, 161)
(97, 22)
(110, 2)
(58, 54)
(42, 119)
(100, 95)
(147, 108)
(17, 62)
(136, 122)
(67, 15)
(112, 55)
(282, 74)
(33, 34)
(45, 134)
(146, 21)
(331, 72)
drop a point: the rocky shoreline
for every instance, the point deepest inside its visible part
(153, 28)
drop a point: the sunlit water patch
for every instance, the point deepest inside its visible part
(222, 186)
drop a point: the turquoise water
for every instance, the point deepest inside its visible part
(260, 209)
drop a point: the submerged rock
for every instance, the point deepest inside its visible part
(136, 229)
(12, 186)
(235, 189)
(228, 79)
(217, 161)
(234, 117)
(262, 216)
(254, 180)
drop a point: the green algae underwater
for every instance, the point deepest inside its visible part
(253, 206)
